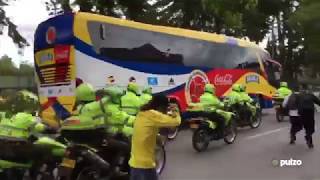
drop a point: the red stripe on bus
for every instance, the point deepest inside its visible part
(49, 103)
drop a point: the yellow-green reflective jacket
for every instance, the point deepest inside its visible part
(283, 92)
(145, 98)
(131, 103)
(209, 100)
(233, 97)
(244, 97)
(20, 126)
(118, 121)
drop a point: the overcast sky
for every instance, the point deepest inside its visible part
(27, 14)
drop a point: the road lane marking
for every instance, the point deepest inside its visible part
(267, 133)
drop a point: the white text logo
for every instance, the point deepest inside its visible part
(223, 79)
(287, 163)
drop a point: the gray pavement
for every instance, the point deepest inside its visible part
(249, 158)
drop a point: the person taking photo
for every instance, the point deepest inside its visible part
(152, 116)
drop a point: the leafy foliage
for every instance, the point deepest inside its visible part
(8, 68)
(307, 19)
(12, 101)
(12, 28)
(21, 101)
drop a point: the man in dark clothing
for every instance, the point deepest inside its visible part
(301, 112)
(291, 103)
(306, 110)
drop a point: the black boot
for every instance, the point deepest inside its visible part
(292, 139)
(309, 141)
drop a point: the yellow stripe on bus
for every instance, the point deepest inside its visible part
(45, 57)
(72, 63)
(261, 87)
(49, 116)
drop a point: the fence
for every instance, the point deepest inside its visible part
(17, 82)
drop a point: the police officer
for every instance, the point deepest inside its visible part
(104, 113)
(244, 95)
(146, 95)
(211, 102)
(85, 94)
(209, 98)
(120, 121)
(234, 96)
(246, 99)
(21, 126)
(131, 102)
(283, 91)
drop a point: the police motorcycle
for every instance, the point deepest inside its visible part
(246, 113)
(206, 127)
(281, 112)
(27, 154)
(91, 135)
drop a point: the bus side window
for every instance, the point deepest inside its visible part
(273, 72)
(255, 66)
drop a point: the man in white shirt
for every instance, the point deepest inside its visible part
(291, 103)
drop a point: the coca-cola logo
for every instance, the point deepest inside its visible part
(225, 79)
(64, 54)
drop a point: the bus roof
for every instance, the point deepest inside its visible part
(82, 19)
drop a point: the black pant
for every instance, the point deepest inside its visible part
(307, 117)
(143, 174)
(305, 120)
(296, 125)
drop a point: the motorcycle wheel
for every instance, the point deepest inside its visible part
(44, 172)
(200, 140)
(90, 173)
(231, 132)
(279, 115)
(255, 122)
(161, 159)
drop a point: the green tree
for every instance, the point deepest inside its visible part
(7, 67)
(58, 6)
(208, 15)
(12, 28)
(18, 101)
(306, 20)
(26, 69)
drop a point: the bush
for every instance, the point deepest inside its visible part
(21, 101)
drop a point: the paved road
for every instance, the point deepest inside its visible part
(249, 158)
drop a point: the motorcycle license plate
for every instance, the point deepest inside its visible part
(277, 106)
(194, 126)
(68, 163)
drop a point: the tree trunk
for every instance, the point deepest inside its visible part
(218, 24)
